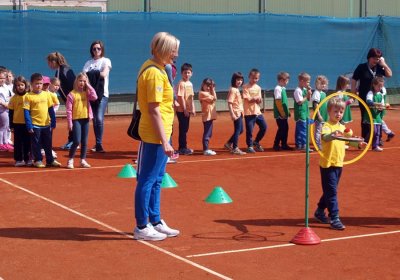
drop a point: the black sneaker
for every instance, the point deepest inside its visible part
(337, 224)
(320, 216)
(185, 151)
(98, 149)
(390, 136)
(287, 148)
(276, 148)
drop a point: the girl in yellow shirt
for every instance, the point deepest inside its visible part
(79, 113)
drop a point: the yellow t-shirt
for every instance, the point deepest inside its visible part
(185, 89)
(17, 104)
(80, 107)
(54, 98)
(38, 104)
(154, 87)
(251, 108)
(334, 150)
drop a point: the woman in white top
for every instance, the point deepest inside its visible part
(98, 70)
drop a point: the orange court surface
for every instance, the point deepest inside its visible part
(57, 223)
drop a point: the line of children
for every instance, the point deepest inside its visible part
(79, 113)
(208, 97)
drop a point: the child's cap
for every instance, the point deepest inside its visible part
(46, 80)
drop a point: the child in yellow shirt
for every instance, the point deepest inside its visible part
(79, 113)
(40, 119)
(331, 163)
(22, 142)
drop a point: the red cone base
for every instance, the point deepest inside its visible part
(306, 236)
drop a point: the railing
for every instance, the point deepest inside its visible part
(26, 5)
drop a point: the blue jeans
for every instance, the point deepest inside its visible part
(251, 121)
(41, 138)
(80, 131)
(150, 171)
(282, 133)
(238, 129)
(300, 134)
(207, 134)
(99, 109)
(330, 180)
(183, 129)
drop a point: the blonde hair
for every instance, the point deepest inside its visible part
(80, 75)
(336, 102)
(163, 44)
(54, 80)
(321, 79)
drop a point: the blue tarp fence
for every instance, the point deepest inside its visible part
(216, 45)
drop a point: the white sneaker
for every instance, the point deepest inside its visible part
(70, 163)
(148, 233)
(170, 160)
(54, 154)
(84, 164)
(209, 153)
(19, 163)
(163, 228)
(378, 149)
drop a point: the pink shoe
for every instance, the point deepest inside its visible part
(3, 147)
(9, 147)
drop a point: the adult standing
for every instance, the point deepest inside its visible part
(98, 70)
(363, 75)
(66, 75)
(155, 98)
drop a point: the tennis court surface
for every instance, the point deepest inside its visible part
(77, 224)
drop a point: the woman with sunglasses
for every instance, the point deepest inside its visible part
(98, 70)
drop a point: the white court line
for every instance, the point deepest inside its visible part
(41, 170)
(116, 230)
(290, 244)
(294, 154)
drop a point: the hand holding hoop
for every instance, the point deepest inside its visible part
(355, 96)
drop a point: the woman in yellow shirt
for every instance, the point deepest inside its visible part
(155, 97)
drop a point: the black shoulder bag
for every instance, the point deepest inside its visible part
(133, 129)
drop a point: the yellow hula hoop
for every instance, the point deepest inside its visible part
(355, 96)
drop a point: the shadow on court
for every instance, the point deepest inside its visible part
(369, 222)
(61, 233)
